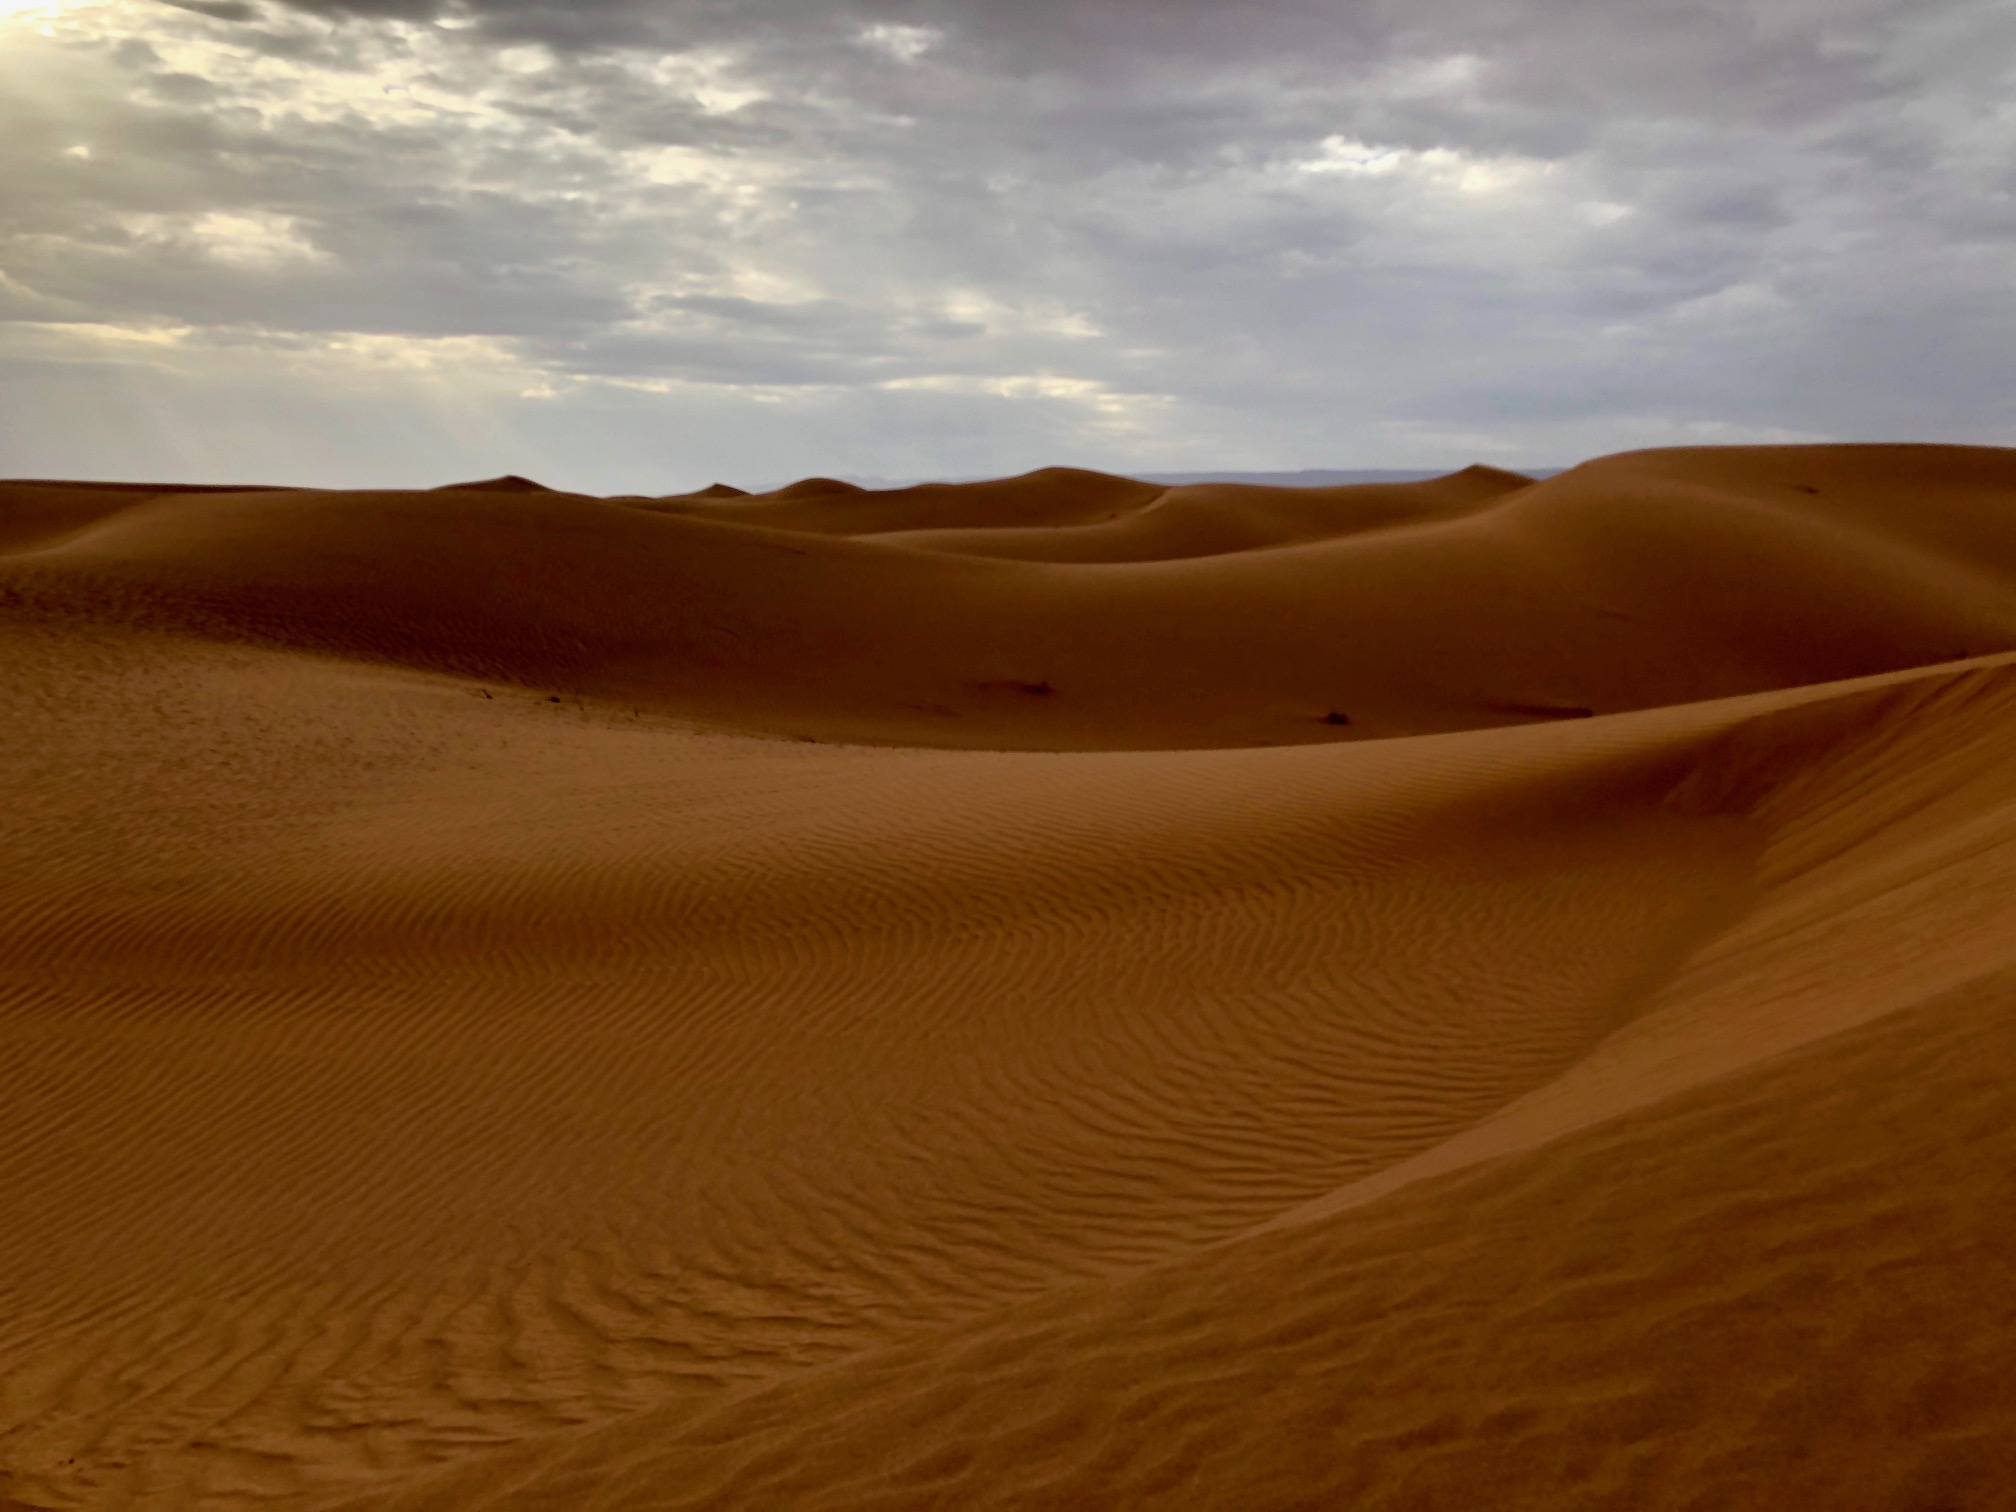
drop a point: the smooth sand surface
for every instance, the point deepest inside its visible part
(1057, 993)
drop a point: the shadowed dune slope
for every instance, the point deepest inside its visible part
(1632, 582)
(36, 513)
(471, 1066)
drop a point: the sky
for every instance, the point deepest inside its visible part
(642, 245)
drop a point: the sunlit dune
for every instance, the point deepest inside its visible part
(1060, 992)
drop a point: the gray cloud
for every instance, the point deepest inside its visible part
(218, 10)
(956, 236)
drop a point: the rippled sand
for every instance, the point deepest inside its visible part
(1054, 993)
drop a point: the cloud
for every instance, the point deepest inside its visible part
(1149, 233)
(218, 10)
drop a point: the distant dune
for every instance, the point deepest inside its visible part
(1320, 477)
(1308, 477)
(1061, 992)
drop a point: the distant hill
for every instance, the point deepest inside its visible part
(1321, 477)
(1309, 477)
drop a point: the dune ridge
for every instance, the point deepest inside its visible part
(1621, 584)
(461, 1056)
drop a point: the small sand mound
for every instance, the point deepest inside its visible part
(816, 488)
(509, 483)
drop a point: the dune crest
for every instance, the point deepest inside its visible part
(1481, 992)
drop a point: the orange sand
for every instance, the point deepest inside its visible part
(1468, 994)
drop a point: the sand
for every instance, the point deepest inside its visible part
(1056, 993)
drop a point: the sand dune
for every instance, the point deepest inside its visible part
(1213, 519)
(460, 1056)
(1624, 584)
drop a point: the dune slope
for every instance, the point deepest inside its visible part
(459, 1057)
(1627, 583)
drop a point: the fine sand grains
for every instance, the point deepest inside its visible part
(458, 1055)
